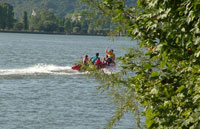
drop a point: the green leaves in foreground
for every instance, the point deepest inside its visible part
(164, 76)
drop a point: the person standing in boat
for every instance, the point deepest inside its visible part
(111, 54)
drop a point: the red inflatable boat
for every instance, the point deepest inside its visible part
(78, 66)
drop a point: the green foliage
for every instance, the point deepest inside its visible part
(44, 21)
(19, 26)
(122, 91)
(25, 21)
(68, 26)
(45, 16)
(6, 16)
(164, 77)
(59, 7)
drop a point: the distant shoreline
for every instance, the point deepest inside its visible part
(53, 33)
(30, 32)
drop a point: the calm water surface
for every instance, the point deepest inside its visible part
(39, 90)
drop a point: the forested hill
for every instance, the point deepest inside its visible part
(63, 16)
(59, 7)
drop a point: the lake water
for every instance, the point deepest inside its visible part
(39, 90)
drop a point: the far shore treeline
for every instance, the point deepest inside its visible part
(45, 21)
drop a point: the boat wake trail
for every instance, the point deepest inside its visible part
(40, 69)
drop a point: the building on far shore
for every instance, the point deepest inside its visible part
(33, 13)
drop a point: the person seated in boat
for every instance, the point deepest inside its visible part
(94, 58)
(85, 60)
(109, 61)
(98, 62)
(104, 60)
(111, 54)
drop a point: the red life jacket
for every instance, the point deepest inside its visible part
(98, 62)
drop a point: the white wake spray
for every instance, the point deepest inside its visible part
(41, 69)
